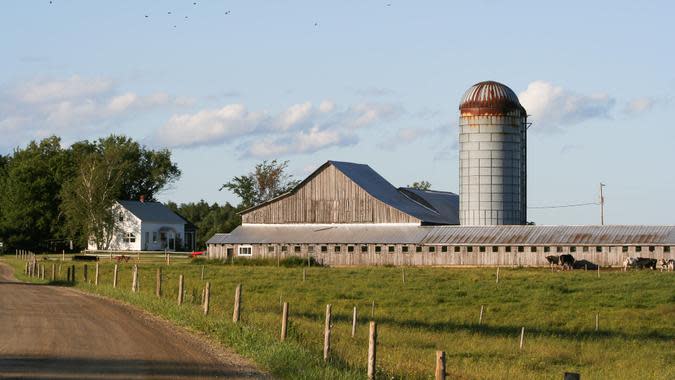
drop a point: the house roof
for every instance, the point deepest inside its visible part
(378, 187)
(154, 212)
(450, 235)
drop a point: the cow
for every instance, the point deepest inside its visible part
(566, 261)
(668, 265)
(628, 262)
(553, 260)
(645, 262)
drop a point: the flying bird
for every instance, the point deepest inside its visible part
(227, 13)
(168, 13)
(316, 24)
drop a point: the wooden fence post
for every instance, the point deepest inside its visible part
(25, 269)
(134, 279)
(158, 283)
(598, 270)
(440, 365)
(237, 304)
(326, 334)
(497, 281)
(480, 317)
(53, 272)
(372, 350)
(96, 275)
(403, 273)
(284, 321)
(115, 276)
(202, 273)
(304, 275)
(597, 321)
(354, 315)
(207, 291)
(180, 289)
(522, 337)
(42, 272)
(68, 275)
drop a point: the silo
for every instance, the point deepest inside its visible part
(492, 156)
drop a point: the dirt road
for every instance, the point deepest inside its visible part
(57, 333)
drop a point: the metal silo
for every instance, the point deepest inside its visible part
(492, 156)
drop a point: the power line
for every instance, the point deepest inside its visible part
(563, 206)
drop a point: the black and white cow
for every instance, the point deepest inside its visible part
(639, 263)
(566, 261)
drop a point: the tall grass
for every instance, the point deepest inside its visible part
(435, 309)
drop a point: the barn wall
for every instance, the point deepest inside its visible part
(609, 256)
(329, 197)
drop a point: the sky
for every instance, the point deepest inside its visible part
(227, 84)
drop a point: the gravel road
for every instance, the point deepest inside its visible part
(49, 332)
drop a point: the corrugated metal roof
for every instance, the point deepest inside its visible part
(152, 212)
(325, 233)
(451, 235)
(551, 235)
(218, 239)
(445, 202)
(490, 97)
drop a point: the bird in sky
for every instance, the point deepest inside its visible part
(316, 24)
(227, 13)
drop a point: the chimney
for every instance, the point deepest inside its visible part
(142, 198)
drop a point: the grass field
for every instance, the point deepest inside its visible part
(435, 309)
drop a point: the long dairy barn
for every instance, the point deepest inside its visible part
(347, 214)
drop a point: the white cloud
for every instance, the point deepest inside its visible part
(300, 128)
(38, 91)
(639, 105)
(553, 107)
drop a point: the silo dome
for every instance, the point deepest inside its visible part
(490, 98)
(492, 156)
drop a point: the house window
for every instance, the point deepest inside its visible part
(378, 249)
(418, 248)
(270, 248)
(245, 250)
(154, 237)
(310, 248)
(444, 248)
(129, 237)
(296, 249)
(457, 249)
(350, 248)
(364, 249)
(391, 249)
(324, 248)
(598, 249)
(404, 249)
(481, 248)
(432, 249)
(337, 249)
(147, 237)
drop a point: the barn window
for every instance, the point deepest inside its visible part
(666, 249)
(457, 248)
(324, 248)
(598, 249)
(129, 237)
(651, 248)
(585, 248)
(364, 249)
(391, 249)
(558, 249)
(547, 249)
(507, 249)
(432, 249)
(284, 248)
(337, 249)
(378, 249)
(270, 248)
(296, 249)
(495, 248)
(481, 248)
(350, 248)
(638, 249)
(418, 248)
(521, 248)
(573, 249)
(404, 249)
(469, 249)
(245, 250)
(444, 248)
(624, 248)
(310, 248)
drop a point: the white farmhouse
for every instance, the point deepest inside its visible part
(150, 226)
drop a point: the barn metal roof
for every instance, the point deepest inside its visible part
(445, 202)
(218, 239)
(152, 212)
(451, 235)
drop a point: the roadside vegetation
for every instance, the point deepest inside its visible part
(435, 309)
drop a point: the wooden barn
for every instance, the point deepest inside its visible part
(347, 214)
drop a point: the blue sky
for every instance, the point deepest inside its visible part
(356, 81)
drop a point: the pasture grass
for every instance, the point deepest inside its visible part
(435, 309)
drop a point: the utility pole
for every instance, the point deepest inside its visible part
(602, 205)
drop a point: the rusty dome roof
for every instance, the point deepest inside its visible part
(490, 98)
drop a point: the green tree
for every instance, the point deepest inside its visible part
(268, 179)
(421, 185)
